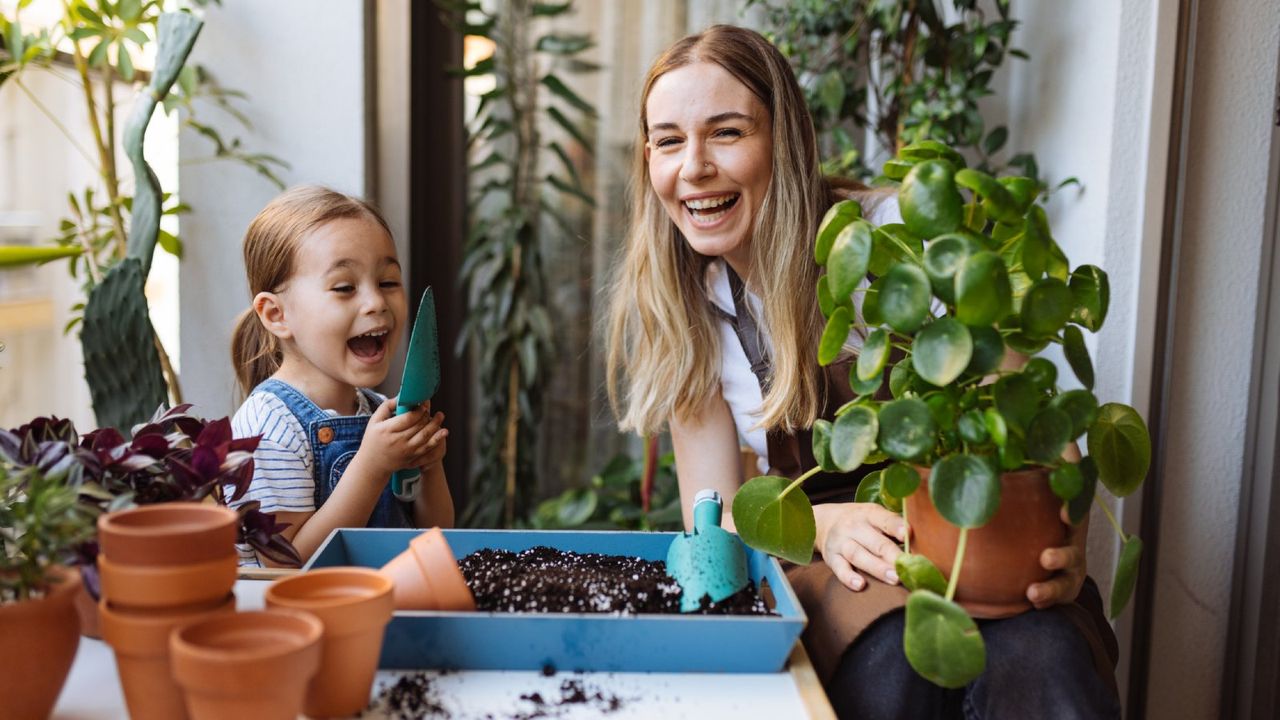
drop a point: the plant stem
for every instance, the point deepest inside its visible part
(796, 483)
(955, 568)
(509, 452)
(170, 375)
(54, 119)
(1107, 511)
(906, 548)
(109, 114)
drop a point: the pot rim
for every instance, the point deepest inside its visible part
(189, 517)
(193, 640)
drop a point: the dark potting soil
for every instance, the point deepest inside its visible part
(544, 579)
(416, 697)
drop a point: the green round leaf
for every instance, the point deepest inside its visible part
(896, 169)
(930, 203)
(906, 429)
(983, 293)
(891, 244)
(874, 355)
(1121, 447)
(943, 408)
(1077, 355)
(821, 444)
(773, 523)
(1046, 307)
(1126, 575)
(1081, 405)
(834, 336)
(899, 480)
(1036, 243)
(864, 387)
(1023, 190)
(995, 196)
(1078, 507)
(853, 436)
(576, 507)
(917, 572)
(870, 491)
(988, 350)
(996, 429)
(1048, 435)
(900, 379)
(1020, 342)
(1011, 454)
(1042, 372)
(847, 265)
(1066, 481)
(837, 218)
(1017, 399)
(1092, 293)
(965, 489)
(871, 303)
(941, 641)
(825, 302)
(942, 259)
(904, 297)
(942, 350)
(973, 429)
(928, 150)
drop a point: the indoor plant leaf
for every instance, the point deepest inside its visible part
(1081, 405)
(900, 379)
(847, 265)
(864, 387)
(1077, 355)
(906, 429)
(874, 355)
(941, 641)
(1047, 435)
(1092, 293)
(870, 491)
(899, 480)
(917, 572)
(822, 444)
(942, 259)
(1035, 243)
(836, 219)
(904, 297)
(983, 292)
(1066, 481)
(853, 437)
(996, 198)
(1126, 575)
(1017, 399)
(930, 203)
(1046, 307)
(942, 351)
(965, 489)
(1121, 447)
(1078, 507)
(834, 336)
(778, 524)
(988, 350)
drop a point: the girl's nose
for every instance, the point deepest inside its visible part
(374, 303)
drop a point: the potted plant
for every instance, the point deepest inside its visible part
(40, 526)
(973, 271)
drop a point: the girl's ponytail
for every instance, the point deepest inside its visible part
(255, 354)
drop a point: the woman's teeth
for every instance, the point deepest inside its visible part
(710, 209)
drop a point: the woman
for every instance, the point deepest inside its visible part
(713, 331)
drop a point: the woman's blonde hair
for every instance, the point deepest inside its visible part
(270, 248)
(662, 333)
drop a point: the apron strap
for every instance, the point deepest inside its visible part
(744, 326)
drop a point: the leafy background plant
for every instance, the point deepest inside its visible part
(530, 116)
(41, 525)
(628, 494)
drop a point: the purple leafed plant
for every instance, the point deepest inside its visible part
(174, 456)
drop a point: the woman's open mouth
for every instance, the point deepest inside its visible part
(370, 347)
(708, 211)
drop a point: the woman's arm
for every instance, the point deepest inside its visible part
(707, 456)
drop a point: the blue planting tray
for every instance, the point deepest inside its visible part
(573, 641)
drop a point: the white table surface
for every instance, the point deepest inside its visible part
(93, 689)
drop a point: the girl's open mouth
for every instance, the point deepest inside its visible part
(710, 210)
(370, 347)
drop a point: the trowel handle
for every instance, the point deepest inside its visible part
(404, 483)
(707, 509)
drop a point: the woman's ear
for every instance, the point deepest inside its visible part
(270, 311)
(648, 147)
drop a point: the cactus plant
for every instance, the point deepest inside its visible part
(121, 363)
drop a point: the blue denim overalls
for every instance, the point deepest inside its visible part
(334, 442)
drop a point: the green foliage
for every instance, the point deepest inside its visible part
(989, 281)
(41, 524)
(614, 500)
(120, 360)
(908, 71)
(513, 214)
(770, 514)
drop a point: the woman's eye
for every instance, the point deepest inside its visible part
(728, 132)
(667, 142)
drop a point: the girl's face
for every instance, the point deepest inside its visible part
(343, 309)
(710, 154)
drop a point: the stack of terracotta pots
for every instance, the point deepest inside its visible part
(161, 566)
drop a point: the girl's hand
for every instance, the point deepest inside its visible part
(431, 438)
(859, 536)
(392, 442)
(1069, 562)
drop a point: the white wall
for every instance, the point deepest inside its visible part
(303, 69)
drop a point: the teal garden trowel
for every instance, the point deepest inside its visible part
(708, 561)
(421, 378)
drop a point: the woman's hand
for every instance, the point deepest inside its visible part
(1069, 564)
(859, 536)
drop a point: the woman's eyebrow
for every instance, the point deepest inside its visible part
(717, 118)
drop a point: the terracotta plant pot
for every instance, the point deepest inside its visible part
(1002, 558)
(427, 576)
(38, 642)
(355, 605)
(247, 665)
(176, 533)
(168, 586)
(140, 639)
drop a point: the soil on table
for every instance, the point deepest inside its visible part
(544, 579)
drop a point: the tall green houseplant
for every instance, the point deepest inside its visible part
(513, 212)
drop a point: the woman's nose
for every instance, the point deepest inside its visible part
(696, 165)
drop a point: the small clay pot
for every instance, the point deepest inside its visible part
(1002, 558)
(355, 605)
(168, 586)
(140, 639)
(175, 533)
(247, 665)
(38, 642)
(427, 576)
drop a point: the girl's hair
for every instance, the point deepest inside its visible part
(270, 246)
(662, 333)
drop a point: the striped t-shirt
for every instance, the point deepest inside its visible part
(283, 477)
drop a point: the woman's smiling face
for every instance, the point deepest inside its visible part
(710, 155)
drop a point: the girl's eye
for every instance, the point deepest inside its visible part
(389, 283)
(344, 288)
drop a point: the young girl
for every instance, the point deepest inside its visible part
(328, 311)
